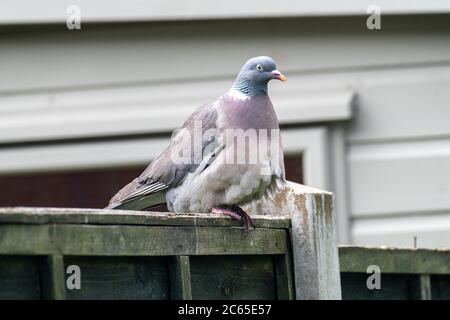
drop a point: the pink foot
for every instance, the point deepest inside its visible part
(237, 213)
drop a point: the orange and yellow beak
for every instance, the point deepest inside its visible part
(278, 75)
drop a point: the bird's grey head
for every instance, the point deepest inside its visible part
(255, 74)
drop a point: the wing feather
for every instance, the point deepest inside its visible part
(163, 173)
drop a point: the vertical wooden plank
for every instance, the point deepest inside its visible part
(20, 277)
(233, 277)
(284, 277)
(120, 278)
(440, 286)
(394, 286)
(53, 277)
(420, 287)
(180, 278)
(425, 287)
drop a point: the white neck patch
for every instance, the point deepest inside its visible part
(238, 95)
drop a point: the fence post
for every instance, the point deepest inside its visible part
(313, 235)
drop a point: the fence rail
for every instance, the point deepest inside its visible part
(405, 273)
(142, 255)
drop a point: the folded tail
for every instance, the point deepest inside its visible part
(140, 203)
(136, 196)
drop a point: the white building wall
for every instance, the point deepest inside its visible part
(399, 158)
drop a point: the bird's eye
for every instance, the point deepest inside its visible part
(259, 67)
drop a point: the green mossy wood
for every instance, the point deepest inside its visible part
(141, 255)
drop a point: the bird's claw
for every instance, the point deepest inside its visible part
(237, 213)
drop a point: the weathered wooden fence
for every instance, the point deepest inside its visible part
(140, 255)
(420, 274)
(291, 254)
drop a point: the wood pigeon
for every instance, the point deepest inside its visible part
(227, 153)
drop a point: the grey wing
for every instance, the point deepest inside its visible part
(164, 173)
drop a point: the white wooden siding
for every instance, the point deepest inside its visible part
(64, 114)
(431, 231)
(400, 178)
(399, 158)
(118, 55)
(49, 11)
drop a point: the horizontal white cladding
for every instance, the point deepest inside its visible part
(410, 104)
(432, 231)
(393, 104)
(146, 109)
(400, 178)
(52, 58)
(48, 11)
